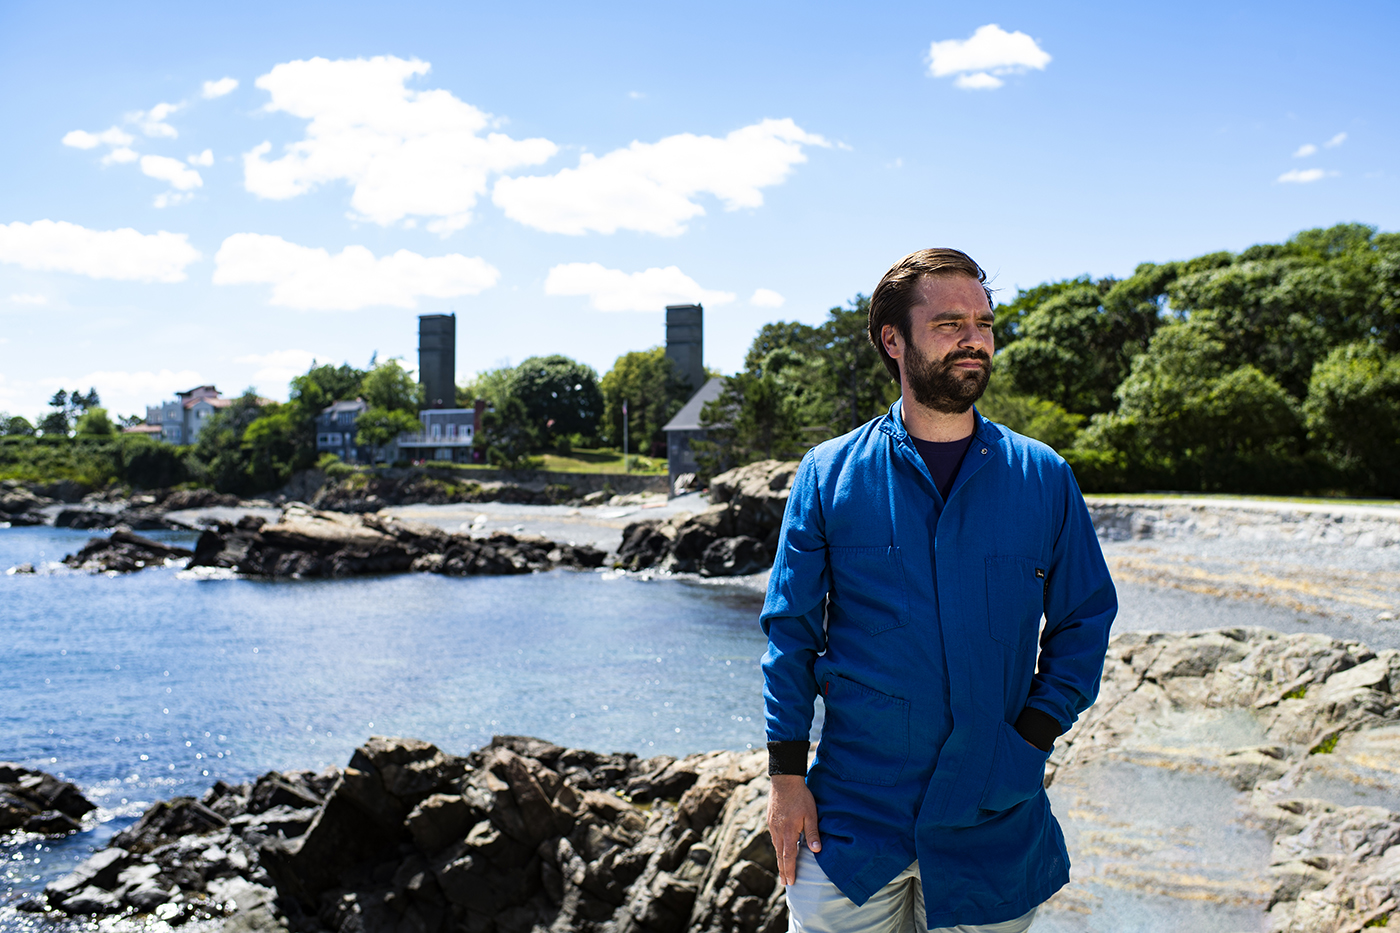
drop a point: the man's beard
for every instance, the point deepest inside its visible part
(940, 385)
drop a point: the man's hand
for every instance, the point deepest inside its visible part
(791, 812)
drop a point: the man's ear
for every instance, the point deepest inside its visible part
(893, 341)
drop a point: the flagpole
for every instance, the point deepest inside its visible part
(625, 466)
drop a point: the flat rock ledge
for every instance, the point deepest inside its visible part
(38, 802)
(305, 542)
(526, 836)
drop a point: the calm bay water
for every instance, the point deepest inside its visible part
(146, 686)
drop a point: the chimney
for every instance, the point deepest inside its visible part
(685, 343)
(437, 359)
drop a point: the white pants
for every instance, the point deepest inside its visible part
(815, 905)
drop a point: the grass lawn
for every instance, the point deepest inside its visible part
(605, 460)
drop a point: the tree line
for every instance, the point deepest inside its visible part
(1275, 370)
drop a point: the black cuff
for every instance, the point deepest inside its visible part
(788, 757)
(1038, 728)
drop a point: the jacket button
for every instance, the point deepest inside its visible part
(984, 450)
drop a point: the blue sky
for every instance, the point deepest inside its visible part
(556, 176)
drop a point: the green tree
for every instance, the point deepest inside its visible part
(219, 457)
(648, 382)
(1034, 417)
(561, 396)
(1353, 415)
(858, 384)
(95, 423)
(272, 448)
(16, 426)
(1190, 418)
(379, 427)
(1076, 344)
(509, 434)
(390, 386)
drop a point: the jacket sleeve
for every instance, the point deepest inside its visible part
(792, 615)
(1080, 605)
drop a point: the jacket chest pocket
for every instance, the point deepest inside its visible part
(868, 583)
(1015, 599)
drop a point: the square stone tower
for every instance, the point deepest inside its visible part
(685, 342)
(437, 359)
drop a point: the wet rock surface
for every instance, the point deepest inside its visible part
(38, 802)
(313, 543)
(735, 536)
(124, 552)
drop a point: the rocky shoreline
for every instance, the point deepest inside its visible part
(34, 801)
(525, 835)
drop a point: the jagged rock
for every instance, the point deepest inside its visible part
(524, 834)
(124, 552)
(166, 822)
(311, 543)
(39, 802)
(736, 535)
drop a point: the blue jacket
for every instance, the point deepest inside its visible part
(917, 621)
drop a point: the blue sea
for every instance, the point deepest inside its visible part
(154, 684)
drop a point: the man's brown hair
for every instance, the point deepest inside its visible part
(894, 296)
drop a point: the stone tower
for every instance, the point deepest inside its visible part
(685, 342)
(437, 359)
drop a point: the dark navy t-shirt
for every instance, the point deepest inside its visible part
(943, 459)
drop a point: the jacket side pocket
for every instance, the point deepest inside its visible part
(1018, 771)
(865, 738)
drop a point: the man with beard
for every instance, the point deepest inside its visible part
(917, 557)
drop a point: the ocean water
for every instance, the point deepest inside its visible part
(154, 684)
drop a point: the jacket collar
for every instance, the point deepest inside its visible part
(984, 431)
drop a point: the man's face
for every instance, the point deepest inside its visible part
(947, 359)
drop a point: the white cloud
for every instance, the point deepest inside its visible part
(978, 81)
(278, 367)
(615, 290)
(650, 187)
(219, 88)
(404, 152)
(1336, 141)
(122, 154)
(1305, 150)
(172, 198)
(30, 299)
(153, 121)
(180, 176)
(59, 246)
(82, 139)
(766, 298)
(989, 52)
(205, 158)
(1302, 176)
(313, 279)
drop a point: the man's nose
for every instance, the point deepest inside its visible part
(972, 336)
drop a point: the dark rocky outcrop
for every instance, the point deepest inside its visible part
(363, 492)
(37, 802)
(20, 505)
(124, 552)
(524, 835)
(146, 511)
(311, 543)
(520, 835)
(737, 535)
